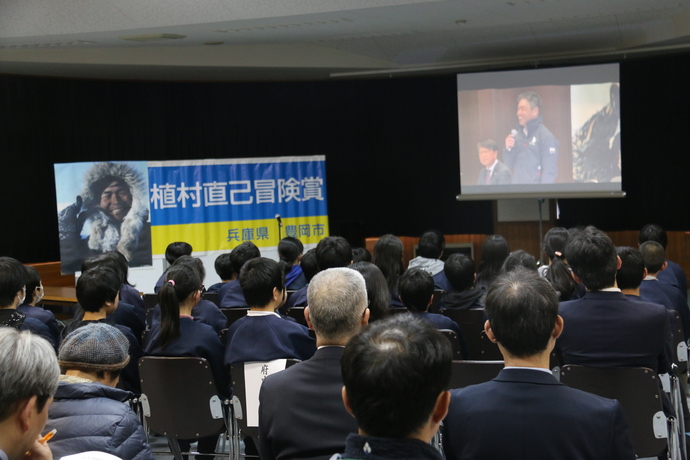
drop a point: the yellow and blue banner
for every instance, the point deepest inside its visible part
(217, 204)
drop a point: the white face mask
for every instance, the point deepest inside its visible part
(38, 299)
(21, 299)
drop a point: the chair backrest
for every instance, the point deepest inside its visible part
(680, 347)
(438, 296)
(179, 397)
(150, 300)
(297, 313)
(212, 296)
(397, 310)
(471, 323)
(637, 389)
(466, 373)
(246, 383)
(454, 342)
(233, 314)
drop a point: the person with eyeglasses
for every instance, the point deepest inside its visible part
(12, 295)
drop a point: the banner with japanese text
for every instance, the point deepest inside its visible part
(217, 204)
(139, 207)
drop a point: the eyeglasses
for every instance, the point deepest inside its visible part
(202, 288)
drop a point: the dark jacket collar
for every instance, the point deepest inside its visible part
(527, 376)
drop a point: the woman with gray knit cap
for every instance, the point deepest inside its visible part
(87, 401)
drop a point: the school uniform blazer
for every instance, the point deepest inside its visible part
(301, 411)
(526, 414)
(607, 329)
(231, 295)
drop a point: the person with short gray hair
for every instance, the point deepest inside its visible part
(301, 413)
(29, 375)
(89, 412)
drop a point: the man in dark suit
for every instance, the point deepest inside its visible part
(605, 328)
(674, 274)
(301, 412)
(230, 293)
(525, 412)
(493, 172)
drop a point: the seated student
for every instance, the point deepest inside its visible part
(97, 293)
(360, 255)
(126, 314)
(204, 311)
(674, 274)
(263, 335)
(223, 266)
(173, 252)
(388, 256)
(88, 411)
(30, 375)
(430, 249)
(330, 252)
(377, 290)
(34, 294)
(459, 270)
(495, 250)
(417, 293)
(12, 294)
(396, 374)
(519, 258)
(178, 334)
(128, 293)
(290, 252)
(557, 273)
(653, 290)
(525, 412)
(230, 293)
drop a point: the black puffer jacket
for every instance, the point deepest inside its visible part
(91, 416)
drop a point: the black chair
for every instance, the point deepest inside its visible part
(471, 323)
(454, 342)
(233, 314)
(465, 373)
(180, 401)
(245, 398)
(680, 356)
(438, 296)
(150, 300)
(637, 389)
(397, 310)
(297, 313)
(212, 296)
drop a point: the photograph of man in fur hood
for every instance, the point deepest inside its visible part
(110, 213)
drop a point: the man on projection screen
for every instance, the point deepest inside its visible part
(114, 203)
(530, 149)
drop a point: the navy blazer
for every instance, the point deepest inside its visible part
(265, 338)
(526, 414)
(301, 411)
(45, 316)
(670, 297)
(675, 276)
(607, 329)
(231, 295)
(205, 312)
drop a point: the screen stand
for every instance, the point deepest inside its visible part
(541, 235)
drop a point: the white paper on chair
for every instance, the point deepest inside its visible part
(254, 374)
(93, 455)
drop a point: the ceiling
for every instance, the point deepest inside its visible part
(222, 40)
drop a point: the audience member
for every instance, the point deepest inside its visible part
(361, 255)
(97, 293)
(178, 334)
(290, 251)
(652, 290)
(204, 311)
(330, 252)
(125, 313)
(674, 274)
(28, 382)
(128, 293)
(557, 271)
(308, 264)
(526, 408)
(377, 290)
(417, 293)
(519, 258)
(388, 256)
(396, 374)
(301, 412)
(34, 294)
(459, 270)
(495, 250)
(223, 267)
(605, 328)
(89, 412)
(231, 295)
(263, 335)
(172, 253)
(12, 294)
(430, 249)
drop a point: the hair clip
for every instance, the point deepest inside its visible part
(558, 253)
(171, 282)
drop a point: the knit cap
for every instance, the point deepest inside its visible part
(96, 346)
